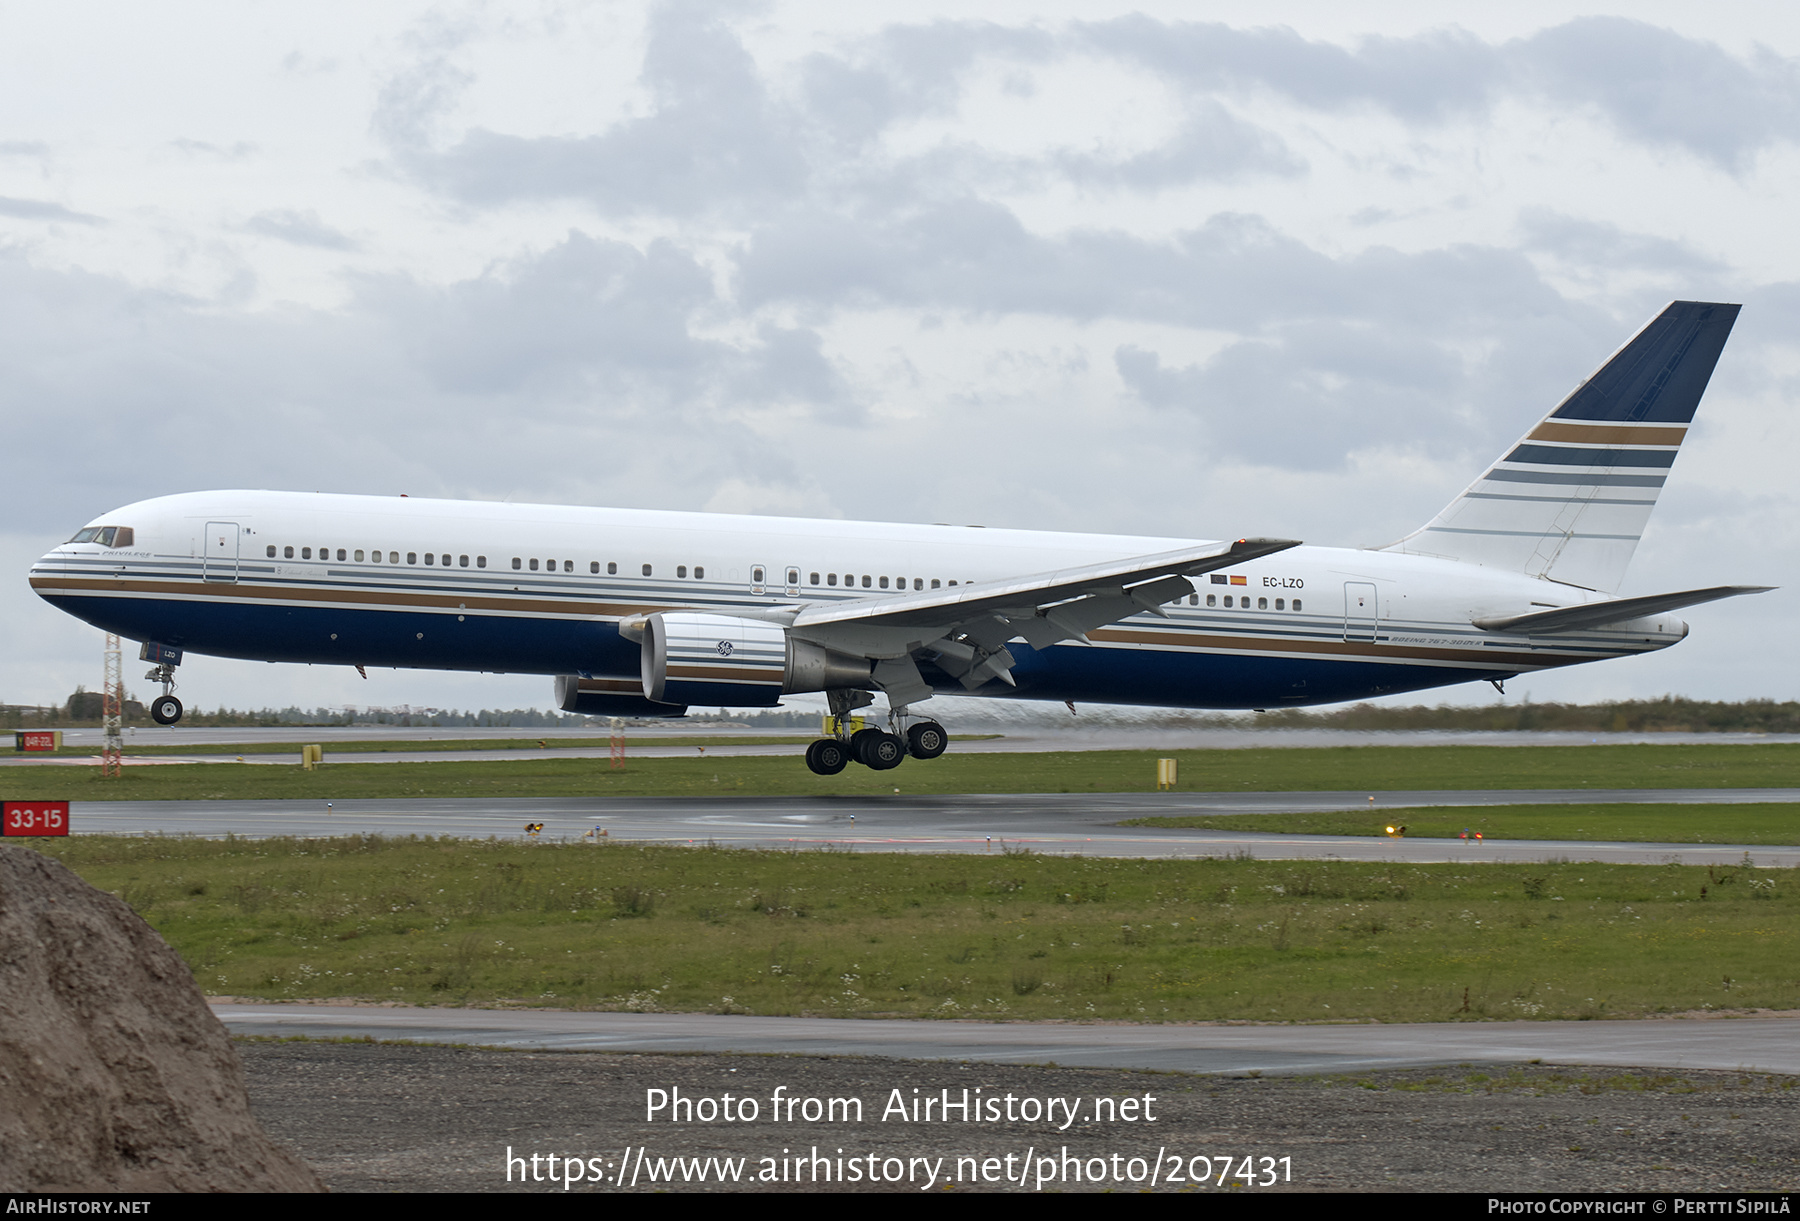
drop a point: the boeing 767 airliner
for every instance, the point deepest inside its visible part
(643, 613)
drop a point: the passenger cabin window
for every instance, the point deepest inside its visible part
(594, 566)
(884, 582)
(287, 553)
(831, 578)
(681, 571)
(340, 553)
(815, 577)
(271, 550)
(612, 569)
(430, 558)
(515, 563)
(866, 581)
(412, 557)
(1212, 599)
(534, 565)
(462, 561)
(699, 573)
(568, 565)
(646, 570)
(756, 575)
(1262, 604)
(359, 557)
(1280, 604)
(1296, 604)
(393, 557)
(375, 556)
(481, 561)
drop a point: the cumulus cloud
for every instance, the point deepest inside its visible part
(1652, 84)
(714, 139)
(567, 372)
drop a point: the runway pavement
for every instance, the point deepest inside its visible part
(1767, 1044)
(1058, 823)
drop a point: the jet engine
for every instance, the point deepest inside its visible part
(722, 660)
(609, 697)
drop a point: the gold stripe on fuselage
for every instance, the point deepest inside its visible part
(218, 591)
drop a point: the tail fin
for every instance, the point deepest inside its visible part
(1569, 502)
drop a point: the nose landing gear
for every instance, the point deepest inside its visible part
(165, 709)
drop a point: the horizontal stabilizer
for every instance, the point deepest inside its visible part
(1617, 610)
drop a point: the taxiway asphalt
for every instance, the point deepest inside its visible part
(1058, 823)
(1765, 1044)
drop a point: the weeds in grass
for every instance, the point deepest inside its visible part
(629, 901)
(441, 921)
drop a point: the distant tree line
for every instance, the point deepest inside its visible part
(1670, 714)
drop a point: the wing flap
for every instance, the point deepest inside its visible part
(964, 630)
(1031, 595)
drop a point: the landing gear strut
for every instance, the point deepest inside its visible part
(165, 709)
(877, 749)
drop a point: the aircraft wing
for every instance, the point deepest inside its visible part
(1615, 610)
(964, 629)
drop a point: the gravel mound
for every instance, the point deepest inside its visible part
(114, 1075)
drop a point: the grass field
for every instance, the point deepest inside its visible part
(1019, 936)
(1351, 767)
(1750, 823)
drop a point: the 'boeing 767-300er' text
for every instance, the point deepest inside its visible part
(644, 613)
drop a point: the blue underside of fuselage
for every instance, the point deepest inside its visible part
(508, 645)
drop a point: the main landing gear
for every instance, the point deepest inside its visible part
(874, 748)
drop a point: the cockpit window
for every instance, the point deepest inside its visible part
(106, 536)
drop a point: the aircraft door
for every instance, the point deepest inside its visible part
(220, 561)
(793, 582)
(1362, 615)
(758, 583)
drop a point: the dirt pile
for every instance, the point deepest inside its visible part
(114, 1075)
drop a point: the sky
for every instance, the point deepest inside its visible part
(1296, 270)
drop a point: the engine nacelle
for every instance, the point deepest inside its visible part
(609, 697)
(722, 660)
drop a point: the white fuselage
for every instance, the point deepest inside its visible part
(377, 581)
